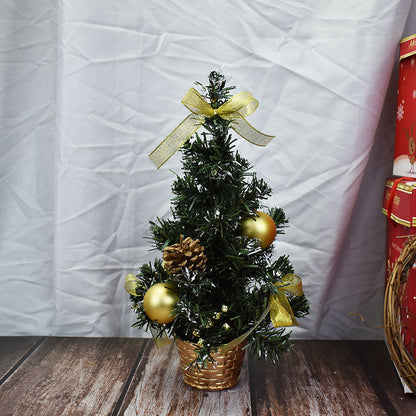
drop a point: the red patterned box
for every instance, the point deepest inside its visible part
(405, 139)
(399, 205)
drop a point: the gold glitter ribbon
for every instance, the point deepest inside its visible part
(235, 109)
(241, 338)
(281, 313)
(130, 284)
(160, 338)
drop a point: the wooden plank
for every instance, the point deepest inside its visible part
(71, 376)
(314, 378)
(158, 389)
(14, 350)
(375, 359)
(79, 376)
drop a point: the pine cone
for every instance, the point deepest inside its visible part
(188, 253)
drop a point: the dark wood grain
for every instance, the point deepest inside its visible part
(70, 376)
(13, 350)
(315, 378)
(158, 389)
(374, 358)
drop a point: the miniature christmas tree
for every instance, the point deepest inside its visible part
(216, 281)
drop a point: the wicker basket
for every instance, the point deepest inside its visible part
(395, 289)
(224, 374)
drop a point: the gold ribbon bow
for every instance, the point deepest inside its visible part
(281, 313)
(130, 284)
(235, 109)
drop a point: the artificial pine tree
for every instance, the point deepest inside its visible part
(217, 279)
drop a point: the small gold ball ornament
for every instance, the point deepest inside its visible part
(209, 324)
(159, 301)
(216, 316)
(261, 227)
(200, 342)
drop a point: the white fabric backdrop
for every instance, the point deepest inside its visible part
(88, 89)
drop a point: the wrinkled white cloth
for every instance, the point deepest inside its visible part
(89, 89)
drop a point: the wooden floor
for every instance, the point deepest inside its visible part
(126, 376)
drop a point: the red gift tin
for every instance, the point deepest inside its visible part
(405, 138)
(400, 207)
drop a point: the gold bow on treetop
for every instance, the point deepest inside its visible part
(235, 109)
(281, 313)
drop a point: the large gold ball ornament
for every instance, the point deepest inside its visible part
(159, 301)
(261, 227)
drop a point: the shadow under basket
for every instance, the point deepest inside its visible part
(223, 374)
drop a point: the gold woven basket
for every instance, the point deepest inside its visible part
(224, 374)
(395, 290)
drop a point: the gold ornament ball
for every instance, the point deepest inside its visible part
(159, 301)
(262, 228)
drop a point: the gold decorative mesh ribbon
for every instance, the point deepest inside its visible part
(130, 284)
(242, 337)
(281, 313)
(160, 339)
(235, 109)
